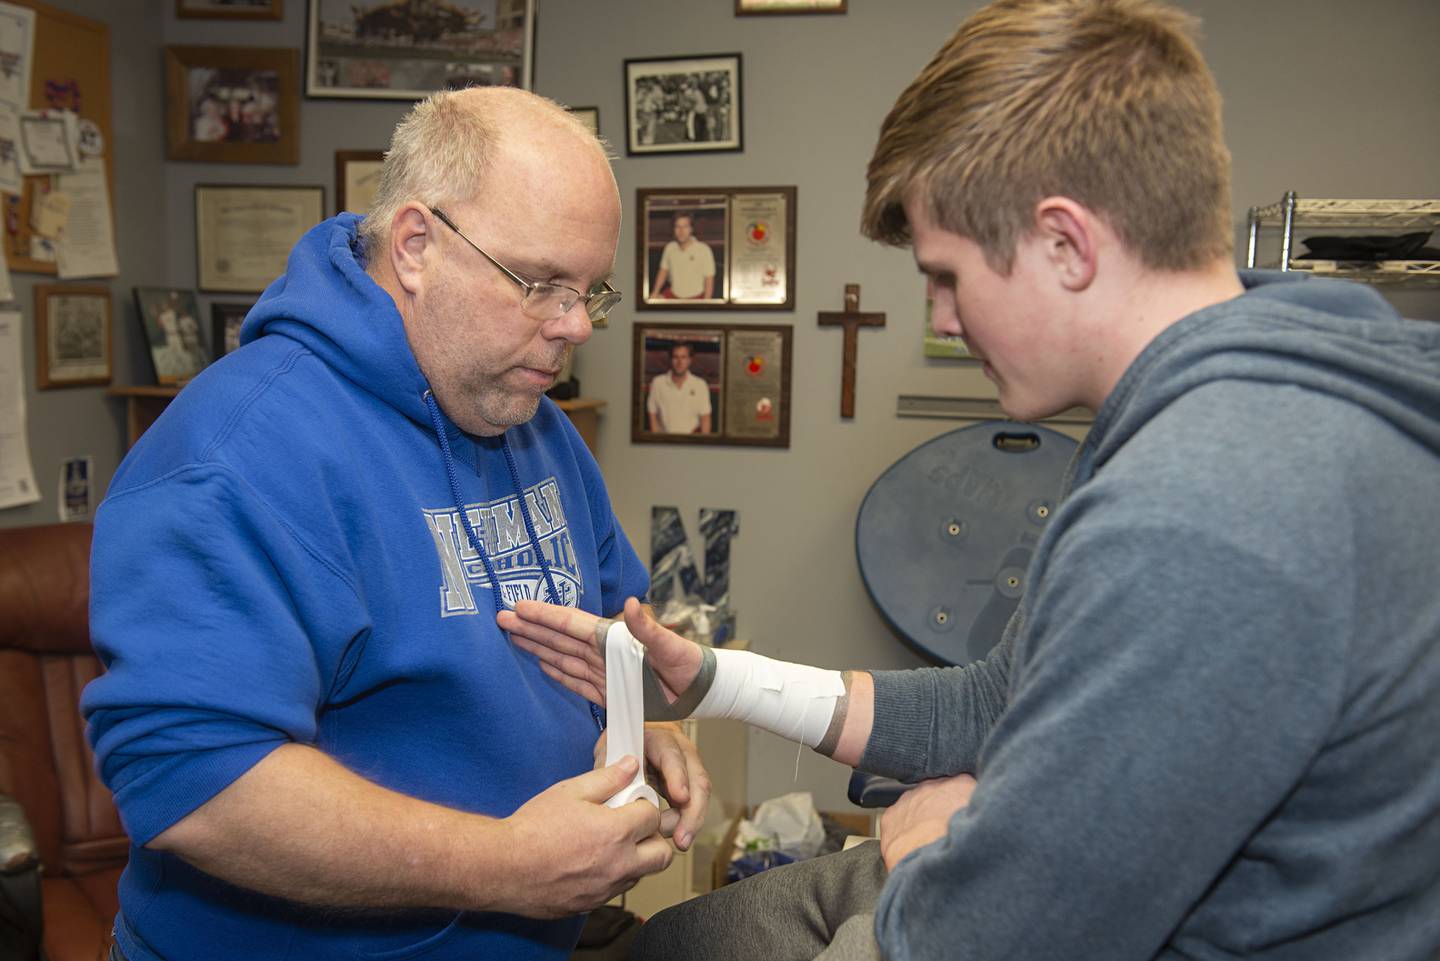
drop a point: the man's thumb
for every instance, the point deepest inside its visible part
(598, 785)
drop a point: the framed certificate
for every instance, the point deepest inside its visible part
(357, 177)
(715, 248)
(711, 384)
(243, 233)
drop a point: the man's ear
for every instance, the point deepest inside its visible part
(1071, 235)
(411, 243)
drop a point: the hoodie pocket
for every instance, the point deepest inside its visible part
(416, 949)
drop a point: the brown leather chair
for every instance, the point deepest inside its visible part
(45, 762)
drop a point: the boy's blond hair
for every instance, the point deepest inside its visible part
(1107, 102)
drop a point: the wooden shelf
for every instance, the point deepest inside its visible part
(145, 403)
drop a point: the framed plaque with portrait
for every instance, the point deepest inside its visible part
(711, 384)
(715, 248)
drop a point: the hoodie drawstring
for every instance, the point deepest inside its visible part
(475, 544)
(439, 422)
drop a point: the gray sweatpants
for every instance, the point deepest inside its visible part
(817, 910)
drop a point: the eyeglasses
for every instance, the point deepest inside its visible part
(546, 301)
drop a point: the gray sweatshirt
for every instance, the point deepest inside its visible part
(1213, 729)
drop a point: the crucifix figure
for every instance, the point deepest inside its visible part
(852, 319)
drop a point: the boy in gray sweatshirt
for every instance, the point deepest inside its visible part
(1213, 728)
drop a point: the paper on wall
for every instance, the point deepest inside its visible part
(10, 181)
(17, 475)
(17, 45)
(87, 244)
(73, 496)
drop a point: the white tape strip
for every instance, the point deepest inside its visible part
(625, 711)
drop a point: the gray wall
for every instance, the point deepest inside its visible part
(1326, 97)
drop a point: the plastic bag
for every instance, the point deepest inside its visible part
(788, 823)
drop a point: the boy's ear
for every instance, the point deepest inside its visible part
(410, 244)
(1071, 234)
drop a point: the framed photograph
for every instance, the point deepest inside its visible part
(937, 345)
(711, 384)
(244, 232)
(589, 116)
(683, 104)
(745, 8)
(406, 51)
(225, 321)
(229, 9)
(232, 104)
(170, 320)
(73, 343)
(357, 177)
(715, 248)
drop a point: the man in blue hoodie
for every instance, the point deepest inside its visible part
(319, 741)
(1211, 729)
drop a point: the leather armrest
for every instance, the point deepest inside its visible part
(21, 921)
(17, 842)
(874, 791)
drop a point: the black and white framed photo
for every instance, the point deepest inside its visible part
(73, 346)
(683, 104)
(406, 51)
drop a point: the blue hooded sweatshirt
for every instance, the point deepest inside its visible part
(1213, 728)
(281, 559)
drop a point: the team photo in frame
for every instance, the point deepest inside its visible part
(232, 104)
(683, 105)
(392, 51)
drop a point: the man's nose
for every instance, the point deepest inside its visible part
(574, 326)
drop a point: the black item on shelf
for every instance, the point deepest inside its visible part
(565, 390)
(1370, 249)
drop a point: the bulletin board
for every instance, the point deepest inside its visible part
(71, 71)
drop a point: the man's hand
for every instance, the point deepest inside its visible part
(571, 649)
(674, 769)
(922, 816)
(571, 853)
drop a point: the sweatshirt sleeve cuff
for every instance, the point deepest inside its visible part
(180, 784)
(900, 736)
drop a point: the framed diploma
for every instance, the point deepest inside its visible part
(243, 234)
(711, 384)
(715, 248)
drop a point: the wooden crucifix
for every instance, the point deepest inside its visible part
(852, 319)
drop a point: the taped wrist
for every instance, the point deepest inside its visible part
(657, 708)
(794, 701)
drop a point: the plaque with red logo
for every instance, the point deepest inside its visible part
(715, 248)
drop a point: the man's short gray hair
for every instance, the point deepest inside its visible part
(440, 150)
